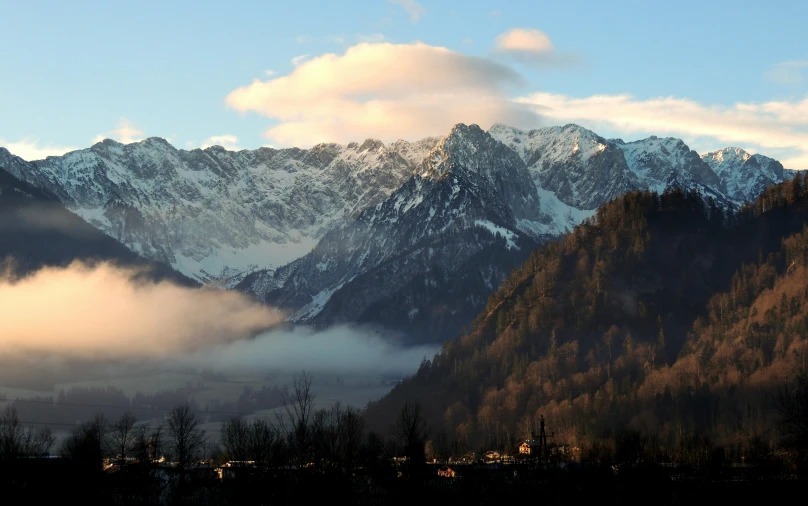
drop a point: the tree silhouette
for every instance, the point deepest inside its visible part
(122, 436)
(85, 445)
(412, 432)
(299, 408)
(185, 439)
(17, 441)
(792, 405)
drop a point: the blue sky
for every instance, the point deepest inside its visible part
(715, 75)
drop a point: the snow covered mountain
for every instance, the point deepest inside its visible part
(215, 214)
(425, 259)
(410, 235)
(744, 175)
(37, 231)
(584, 170)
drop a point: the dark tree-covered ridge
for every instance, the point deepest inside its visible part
(661, 315)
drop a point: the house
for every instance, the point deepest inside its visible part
(530, 447)
(492, 456)
(447, 472)
(233, 468)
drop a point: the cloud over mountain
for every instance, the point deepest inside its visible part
(126, 133)
(774, 125)
(31, 149)
(386, 91)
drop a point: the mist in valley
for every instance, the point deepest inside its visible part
(88, 339)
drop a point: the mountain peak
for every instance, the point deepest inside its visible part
(502, 127)
(745, 174)
(728, 154)
(464, 131)
(106, 141)
(156, 141)
(470, 147)
(371, 145)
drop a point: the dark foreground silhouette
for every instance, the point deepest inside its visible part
(40, 481)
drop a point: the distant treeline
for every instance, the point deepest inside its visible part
(78, 404)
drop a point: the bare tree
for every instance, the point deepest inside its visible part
(85, 445)
(122, 436)
(265, 443)
(17, 441)
(792, 405)
(37, 443)
(10, 433)
(412, 432)
(299, 407)
(148, 443)
(259, 442)
(350, 434)
(322, 437)
(235, 438)
(336, 437)
(186, 440)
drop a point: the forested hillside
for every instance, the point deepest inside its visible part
(661, 316)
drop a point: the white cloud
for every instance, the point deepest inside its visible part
(30, 149)
(788, 72)
(126, 133)
(495, 14)
(386, 91)
(269, 73)
(302, 39)
(531, 47)
(298, 60)
(467, 42)
(776, 125)
(226, 141)
(107, 312)
(413, 8)
(522, 40)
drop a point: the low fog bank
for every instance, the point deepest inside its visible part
(344, 348)
(103, 325)
(107, 312)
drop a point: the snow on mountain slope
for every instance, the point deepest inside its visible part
(745, 175)
(427, 256)
(37, 231)
(411, 235)
(581, 168)
(406, 259)
(215, 214)
(584, 170)
(655, 161)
